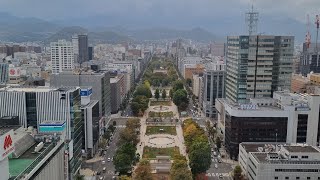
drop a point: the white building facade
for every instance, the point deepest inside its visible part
(274, 161)
(62, 56)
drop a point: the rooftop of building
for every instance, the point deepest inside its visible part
(303, 148)
(250, 106)
(36, 89)
(259, 147)
(29, 159)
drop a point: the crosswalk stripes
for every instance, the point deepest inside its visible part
(217, 174)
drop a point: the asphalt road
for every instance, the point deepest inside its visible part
(110, 152)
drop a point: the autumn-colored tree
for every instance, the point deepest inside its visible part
(143, 171)
(179, 169)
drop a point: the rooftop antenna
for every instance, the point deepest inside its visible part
(308, 36)
(252, 19)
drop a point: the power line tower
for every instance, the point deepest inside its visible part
(252, 19)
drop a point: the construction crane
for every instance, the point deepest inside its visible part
(308, 36)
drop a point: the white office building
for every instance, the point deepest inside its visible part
(279, 161)
(286, 118)
(62, 56)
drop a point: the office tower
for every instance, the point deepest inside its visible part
(308, 59)
(4, 73)
(214, 83)
(257, 66)
(49, 110)
(83, 48)
(75, 44)
(99, 81)
(62, 57)
(90, 53)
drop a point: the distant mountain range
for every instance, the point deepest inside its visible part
(17, 29)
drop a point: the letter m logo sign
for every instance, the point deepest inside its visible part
(7, 142)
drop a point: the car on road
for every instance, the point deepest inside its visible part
(216, 166)
(103, 162)
(215, 153)
(220, 176)
(98, 173)
(109, 159)
(101, 178)
(219, 161)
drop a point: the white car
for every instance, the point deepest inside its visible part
(103, 162)
(109, 159)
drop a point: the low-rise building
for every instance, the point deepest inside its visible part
(279, 161)
(117, 84)
(287, 118)
(299, 83)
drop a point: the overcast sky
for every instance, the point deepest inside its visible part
(61, 9)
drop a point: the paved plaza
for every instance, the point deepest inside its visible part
(161, 140)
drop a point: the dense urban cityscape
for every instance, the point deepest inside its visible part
(184, 105)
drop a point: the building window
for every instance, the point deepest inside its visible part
(305, 157)
(287, 178)
(276, 177)
(308, 178)
(297, 177)
(294, 157)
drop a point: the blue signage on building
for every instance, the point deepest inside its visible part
(86, 92)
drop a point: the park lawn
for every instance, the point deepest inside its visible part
(161, 114)
(160, 103)
(166, 130)
(151, 152)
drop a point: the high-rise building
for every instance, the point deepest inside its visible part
(257, 66)
(62, 57)
(83, 48)
(49, 110)
(90, 53)
(308, 59)
(75, 44)
(214, 83)
(99, 81)
(4, 73)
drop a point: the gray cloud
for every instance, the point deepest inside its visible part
(62, 9)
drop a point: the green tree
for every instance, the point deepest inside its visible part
(177, 85)
(171, 93)
(164, 94)
(237, 173)
(125, 177)
(103, 143)
(135, 107)
(122, 162)
(200, 157)
(179, 169)
(128, 136)
(188, 81)
(143, 171)
(179, 97)
(143, 90)
(157, 94)
(78, 177)
(218, 142)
